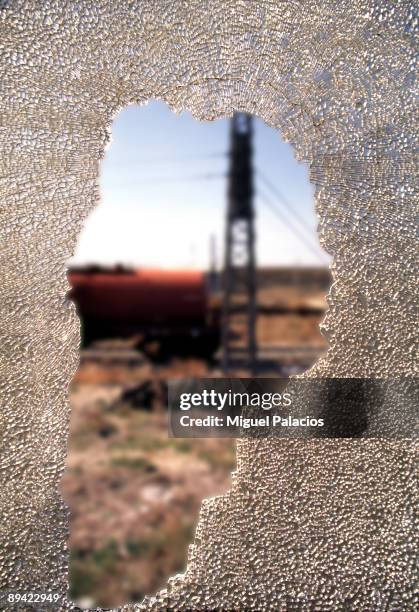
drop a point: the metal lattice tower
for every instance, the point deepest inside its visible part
(239, 279)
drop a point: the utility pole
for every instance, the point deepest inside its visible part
(239, 278)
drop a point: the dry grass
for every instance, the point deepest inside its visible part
(134, 496)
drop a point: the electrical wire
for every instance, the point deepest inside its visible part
(280, 196)
(170, 159)
(287, 222)
(173, 179)
(305, 240)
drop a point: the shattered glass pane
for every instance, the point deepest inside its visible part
(307, 525)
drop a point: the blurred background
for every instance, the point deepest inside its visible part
(202, 260)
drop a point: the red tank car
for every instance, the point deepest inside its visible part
(169, 306)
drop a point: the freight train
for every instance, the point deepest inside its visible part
(175, 310)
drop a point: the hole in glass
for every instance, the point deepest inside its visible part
(134, 494)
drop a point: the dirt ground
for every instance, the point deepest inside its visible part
(134, 493)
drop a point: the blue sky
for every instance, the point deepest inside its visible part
(163, 195)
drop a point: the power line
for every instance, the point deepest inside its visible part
(174, 179)
(276, 211)
(280, 196)
(262, 196)
(171, 159)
